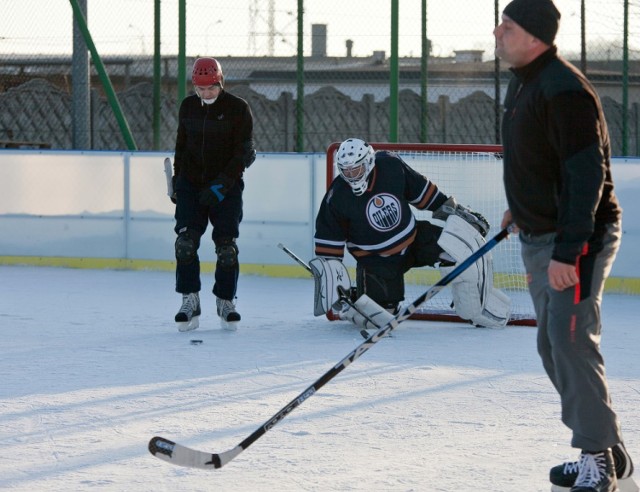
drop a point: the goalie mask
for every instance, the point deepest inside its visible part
(355, 159)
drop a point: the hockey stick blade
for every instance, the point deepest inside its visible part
(177, 454)
(168, 173)
(180, 455)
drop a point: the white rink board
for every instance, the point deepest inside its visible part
(114, 205)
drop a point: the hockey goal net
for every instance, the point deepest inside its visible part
(473, 175)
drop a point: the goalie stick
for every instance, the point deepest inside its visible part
(180, 455)
(299, 260)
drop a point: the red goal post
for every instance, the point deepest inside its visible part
(473, 175)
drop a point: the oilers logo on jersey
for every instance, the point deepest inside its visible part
(384, 212)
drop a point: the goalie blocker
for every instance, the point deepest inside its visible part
(331, 276)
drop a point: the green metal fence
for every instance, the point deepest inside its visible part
(313, 72)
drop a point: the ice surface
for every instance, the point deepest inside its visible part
(92, 366)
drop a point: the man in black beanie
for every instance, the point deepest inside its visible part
(538, 17)
(560, 193)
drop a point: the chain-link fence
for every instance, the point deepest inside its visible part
(313, 72)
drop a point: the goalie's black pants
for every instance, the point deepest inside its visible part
(382, 278)
(569, 327)
(193, 217)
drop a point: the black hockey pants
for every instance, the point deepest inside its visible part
(382, 278)
(225, 219)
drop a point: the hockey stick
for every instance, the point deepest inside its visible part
(300, 261)
(180, 455)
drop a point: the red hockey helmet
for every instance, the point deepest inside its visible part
(206, 72)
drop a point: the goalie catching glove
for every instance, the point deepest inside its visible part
(451, 207)
(474, 297)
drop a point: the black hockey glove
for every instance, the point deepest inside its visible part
(173, 196)
(215, 191)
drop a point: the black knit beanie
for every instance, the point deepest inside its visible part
(538, 17)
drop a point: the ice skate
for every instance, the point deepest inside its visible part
(563, 476)
(189, 315)
(229, 317)
(596, 473)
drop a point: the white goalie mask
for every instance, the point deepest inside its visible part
(355, 159)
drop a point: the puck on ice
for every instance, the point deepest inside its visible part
(196, 342)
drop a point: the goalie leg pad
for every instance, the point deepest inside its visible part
(496, 310)
(474, 297)
(367, 314)
(479, 302)
(459, 238)
(330, 276)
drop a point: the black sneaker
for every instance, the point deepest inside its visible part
(597, 472)
(565, 475)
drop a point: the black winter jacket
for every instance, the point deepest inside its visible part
(213, 138)
(557, 161)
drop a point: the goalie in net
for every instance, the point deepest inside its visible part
(367, 209)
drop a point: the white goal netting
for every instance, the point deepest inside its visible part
(473, 175)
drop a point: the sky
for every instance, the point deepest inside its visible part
(244, 27)
(92, 367)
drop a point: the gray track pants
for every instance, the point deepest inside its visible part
(569, 328)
